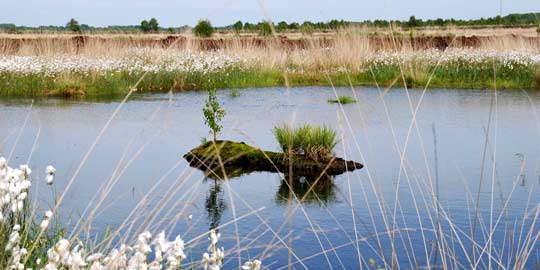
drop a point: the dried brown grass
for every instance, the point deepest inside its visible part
(507, 43)
(347, 48)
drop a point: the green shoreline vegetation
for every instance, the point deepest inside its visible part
(76, 84)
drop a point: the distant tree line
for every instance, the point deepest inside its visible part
(508, 20)
(205, 29)
(73, 25)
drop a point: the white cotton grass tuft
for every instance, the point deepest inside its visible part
(14, 185)
(139, 60)
(214, 260)
(252, 265)
(46, 220)
(65, 254)
(50, 171)
(3, 163)
(133, 62)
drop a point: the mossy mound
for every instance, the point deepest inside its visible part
(65, 93)
(239, 158)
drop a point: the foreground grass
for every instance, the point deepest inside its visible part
(28, 242)
(480, 76)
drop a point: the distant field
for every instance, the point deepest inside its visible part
(58, 64)
(423, 38)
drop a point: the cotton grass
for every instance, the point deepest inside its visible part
(19, 241)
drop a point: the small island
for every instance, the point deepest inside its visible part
(240, 158)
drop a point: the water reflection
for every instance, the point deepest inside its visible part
(522, 180)
(309, 189)
(314, 188)
(215, 204)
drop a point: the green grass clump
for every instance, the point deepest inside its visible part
(235, 93)
(316, 142)
(342, 100)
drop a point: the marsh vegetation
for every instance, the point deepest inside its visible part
(439, 190)
(351, 58)
(142, 184)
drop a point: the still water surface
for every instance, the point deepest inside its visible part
(139, 158)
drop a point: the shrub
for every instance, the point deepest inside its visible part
(203, 29)
(413, 22)
(282, 26)
(150, 26)
(342, 100)
(153, 25)
(307, 28)
(265, 29)
(238, 26)
(144, 26)
(315, 142)
(294, 26)
(73, 26)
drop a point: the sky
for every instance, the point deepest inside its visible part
(224, 12)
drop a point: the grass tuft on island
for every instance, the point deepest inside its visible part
(342, 100)
(315, 142)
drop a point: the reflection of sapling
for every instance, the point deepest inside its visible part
(213, 113)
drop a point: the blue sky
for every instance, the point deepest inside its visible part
(224, 12)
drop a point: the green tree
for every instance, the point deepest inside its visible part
(294, 26)
(9, 28)
(282, 26)
(73, 25)
(203, 29)
(265, 29)
(145, 27)
(439, 22)
(153, 25)
(335, 24)
(213, 114)
(307, 28)
(238, 26)
(413, 22)
(381, 23)
(248, 26)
